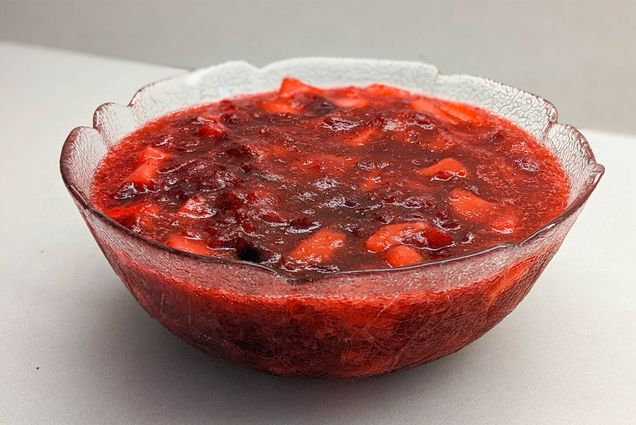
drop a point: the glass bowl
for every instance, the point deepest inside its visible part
(346, 324)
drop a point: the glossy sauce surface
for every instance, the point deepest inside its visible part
(310, 181)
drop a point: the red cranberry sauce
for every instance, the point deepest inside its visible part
(310, 181)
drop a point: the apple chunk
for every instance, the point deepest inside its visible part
(403, 256)
(319, 247)
(393, 234)
(445, 169)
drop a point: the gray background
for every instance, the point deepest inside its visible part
(578, 54)
(77, 349)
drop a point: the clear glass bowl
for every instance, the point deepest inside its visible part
(346, 324)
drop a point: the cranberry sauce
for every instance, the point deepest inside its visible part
(311, 181)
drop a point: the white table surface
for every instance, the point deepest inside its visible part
(75, 348)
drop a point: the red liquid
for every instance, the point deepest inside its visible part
(310, 181)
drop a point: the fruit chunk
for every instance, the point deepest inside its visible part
(426, 105)
(286, 102)
(281, 106)
(470, 206)
(196, 207)
(351, 98)
(291, 86)
(403, 256)
(393, 234)
(458, 112)
(140, 217)
(384, 91)
(445, 169)
(145, 174)
(349, 102)
(319, 247)
(211, 126)
(183, 243)
(454, 112)
(137, 210)
(150, 153)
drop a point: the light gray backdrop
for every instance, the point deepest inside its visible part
(579, 54)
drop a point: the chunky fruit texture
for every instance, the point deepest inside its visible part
(310, 181)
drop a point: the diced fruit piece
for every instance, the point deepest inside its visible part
(426, 105)
(349, 102)
(212, 126)
(459, 112)
(319, 247)
(281, 106)
(146, 173)
(139, 217)
(138, 209)
(151, 153)
(196, 207)
(291, 86)
(456, 113)
(183, 243)
(384, 91)
(505, 224)
(445, 169)
(470, 206)
(393, 234)
(403, 256)
(351, 98)
(362, 137)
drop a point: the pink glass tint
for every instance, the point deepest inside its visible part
(346, 324)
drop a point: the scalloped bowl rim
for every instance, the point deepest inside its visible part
(595, 175)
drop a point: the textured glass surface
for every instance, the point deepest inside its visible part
(345, 324)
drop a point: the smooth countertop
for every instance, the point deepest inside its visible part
(77, 349)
